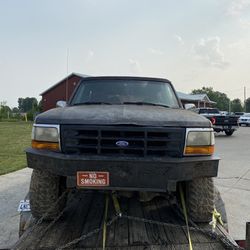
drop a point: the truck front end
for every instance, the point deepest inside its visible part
(124, 133)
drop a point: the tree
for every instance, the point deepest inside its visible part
(236, 105)
(221, 99)
(27, 104)
(4, 110)
(2, 104)
(248, 105)
(15, 110)
(40, 107)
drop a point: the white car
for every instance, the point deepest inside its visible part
(224, 112)
(244, 119)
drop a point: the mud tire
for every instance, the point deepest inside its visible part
(229, 132)
(45, 189)
(200, 199)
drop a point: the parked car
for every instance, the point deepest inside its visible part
(244, 119)
(224, 112)
(239, 113)
(221, 123)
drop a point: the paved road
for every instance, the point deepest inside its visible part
(13, 188)
(234, 178)
(233, 182)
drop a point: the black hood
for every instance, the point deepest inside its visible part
(141, 115)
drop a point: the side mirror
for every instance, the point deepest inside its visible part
(61, 104)
(189, 106)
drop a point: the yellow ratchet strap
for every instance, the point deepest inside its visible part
(104, 234)
(216, 217)
(116, 205)
(186, 217)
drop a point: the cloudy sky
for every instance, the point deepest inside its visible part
(193, 43)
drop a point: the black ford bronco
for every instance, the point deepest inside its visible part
(124, 134)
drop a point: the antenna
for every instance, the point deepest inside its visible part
(67, 80)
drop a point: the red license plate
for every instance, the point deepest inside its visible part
(92, 179)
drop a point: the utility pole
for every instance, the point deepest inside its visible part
(245, 108)
(229, 107)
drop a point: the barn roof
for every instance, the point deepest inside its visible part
(65, 78)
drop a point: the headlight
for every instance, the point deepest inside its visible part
(199, 141)
(46, 137)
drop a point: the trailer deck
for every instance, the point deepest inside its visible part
(144, 225)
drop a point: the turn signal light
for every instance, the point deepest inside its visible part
(199, 150)
(54, 146)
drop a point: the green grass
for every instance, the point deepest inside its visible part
(14, 138)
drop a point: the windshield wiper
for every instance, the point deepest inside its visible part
(90, 103)
(147, 103)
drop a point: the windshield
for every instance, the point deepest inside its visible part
(119, 91)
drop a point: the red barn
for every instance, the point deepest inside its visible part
(61, 91)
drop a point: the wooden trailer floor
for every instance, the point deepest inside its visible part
(85, 212)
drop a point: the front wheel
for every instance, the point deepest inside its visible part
(45, 190)
(229, 132)
(200, 199)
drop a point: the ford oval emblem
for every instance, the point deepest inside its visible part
(122, 144)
